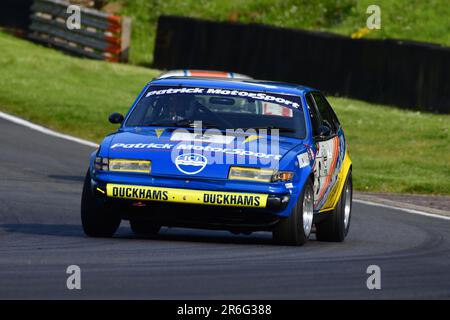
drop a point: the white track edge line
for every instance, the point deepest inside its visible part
(49, 132)
(44, 130)
(422, 213)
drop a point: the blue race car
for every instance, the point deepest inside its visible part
(233, 154)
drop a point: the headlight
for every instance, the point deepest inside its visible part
(257, 174)
(123, 165)
(130, 165)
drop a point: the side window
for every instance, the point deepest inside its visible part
(327, 114)
(333, 114)
(315, 119)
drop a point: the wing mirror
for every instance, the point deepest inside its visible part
(115, 118)
(324, 132)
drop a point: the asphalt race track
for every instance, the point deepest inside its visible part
(40, 235)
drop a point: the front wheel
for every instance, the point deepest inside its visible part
(97, 219)
(335, 227)
(295, 229)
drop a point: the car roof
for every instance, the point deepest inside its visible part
(201, 73)
(236, 84)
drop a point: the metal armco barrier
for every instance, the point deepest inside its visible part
(102, 36)
(402, 73)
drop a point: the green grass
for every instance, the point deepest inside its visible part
(69, 94)
(403, 19)
(395, 150)
(392, 150)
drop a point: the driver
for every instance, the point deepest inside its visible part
(177, 107)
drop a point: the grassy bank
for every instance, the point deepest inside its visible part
(65, 93)
(392, 150)
(403, 19)
(395, 150)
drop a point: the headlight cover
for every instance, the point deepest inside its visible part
(122, 165)
(258, 174)
(130, 165)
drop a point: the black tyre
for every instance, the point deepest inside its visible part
(144, 227)
(97, 219)
(335, 227)
(295, 229)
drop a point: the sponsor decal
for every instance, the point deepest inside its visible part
(191, 163)
(193, 147)
(303, 160)
(274, 110)
(225, 92)
(187, 196)
(174, 91)
(231, 151)
(253, 95)
(159, 132)
(232, 199)
(328, 169)
(139, 193)
(142, 146)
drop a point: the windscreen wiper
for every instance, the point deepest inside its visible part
(184, 123)
(271, 127)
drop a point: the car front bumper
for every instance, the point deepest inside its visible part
(139, 195)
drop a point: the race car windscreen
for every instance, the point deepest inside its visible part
(219, 108)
